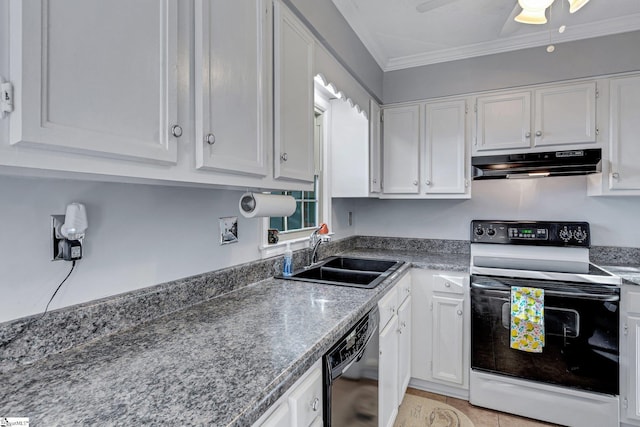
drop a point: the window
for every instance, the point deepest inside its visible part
(306, 214)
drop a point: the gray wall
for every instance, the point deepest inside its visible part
(330, 27)
(138, 236)
(613, 220)
(584, 58)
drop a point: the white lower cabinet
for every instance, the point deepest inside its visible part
(388, 374)
(630, 355)
(301, 405)
(440, 332)
(395, 350)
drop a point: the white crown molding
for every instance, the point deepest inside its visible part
(351, 14)
(578, 32)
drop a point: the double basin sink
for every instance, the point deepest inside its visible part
(347, 271)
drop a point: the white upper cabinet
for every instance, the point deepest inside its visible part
(503, 121)
(401, 147)
(625, 128)
(425, 150)
(565, 115)
(96, 77)
(349, 140)
(293, 97)
(445, 142)
(375, 175)
(231, 85)
(562, 116)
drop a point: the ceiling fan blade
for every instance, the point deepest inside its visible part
(432, 4)
(510, 25)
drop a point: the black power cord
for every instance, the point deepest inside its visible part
(28, 324)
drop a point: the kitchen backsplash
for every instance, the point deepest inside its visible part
(29, 339)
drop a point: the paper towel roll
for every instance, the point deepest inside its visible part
(254, 205)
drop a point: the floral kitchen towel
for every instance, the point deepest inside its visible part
(527, 319)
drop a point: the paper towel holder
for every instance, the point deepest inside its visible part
(254, 205)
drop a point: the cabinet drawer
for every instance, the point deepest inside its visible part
(388, 306)
(305, 402)
(279, 418)
(449, 284)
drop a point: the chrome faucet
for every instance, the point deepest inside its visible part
(314, 242)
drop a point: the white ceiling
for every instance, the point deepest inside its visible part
(408, 33)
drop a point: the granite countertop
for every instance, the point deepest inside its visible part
(221, 362)
(630, 274)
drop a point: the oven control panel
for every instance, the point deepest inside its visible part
(535, 233)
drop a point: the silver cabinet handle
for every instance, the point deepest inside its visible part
(428, 182)
(539, 133)
(527, 135)
(375, 181)
(615, 175)
(447, 284)
(403, 324)
(176, 130)
(284, 157)
(210, 139)
(459, 312)
(393, 310)
(315, 405)
(415, 182)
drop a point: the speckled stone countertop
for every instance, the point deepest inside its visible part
(430, 261)
(629, 274)
(222, 362)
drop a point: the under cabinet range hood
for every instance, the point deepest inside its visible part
(537, 165)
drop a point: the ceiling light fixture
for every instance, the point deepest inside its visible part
(534, 11)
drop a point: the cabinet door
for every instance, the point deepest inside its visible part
(293, 97)
(404, 348)
(388, 374)
(448, 338)
(374, 147)
(305, 402)
(401, 147)
(503, 121)
(96, 77)
(445, 142)
(231, 85)
(349, 151)
(625, 128)
(565, 115)
(633, 357)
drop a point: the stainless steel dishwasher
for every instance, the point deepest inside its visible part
(350, 370)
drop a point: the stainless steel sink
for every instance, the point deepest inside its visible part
(347, 271)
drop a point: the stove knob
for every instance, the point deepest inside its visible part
(491, 232)
(479, 231)
(565, 234)
(580, 235)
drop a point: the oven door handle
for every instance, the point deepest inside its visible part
(584, 295)
(581, 295)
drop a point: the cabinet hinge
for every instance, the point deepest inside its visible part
(475, 107)
(381, 116)
(466, 108)
(6, 97)
(431, 305)
(625, 403)
(597, 92)
(625, 329)
(431, 366)
(597, 131)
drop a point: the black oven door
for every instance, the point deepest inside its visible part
(581, 322)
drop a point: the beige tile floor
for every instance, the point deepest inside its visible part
(482, 417)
